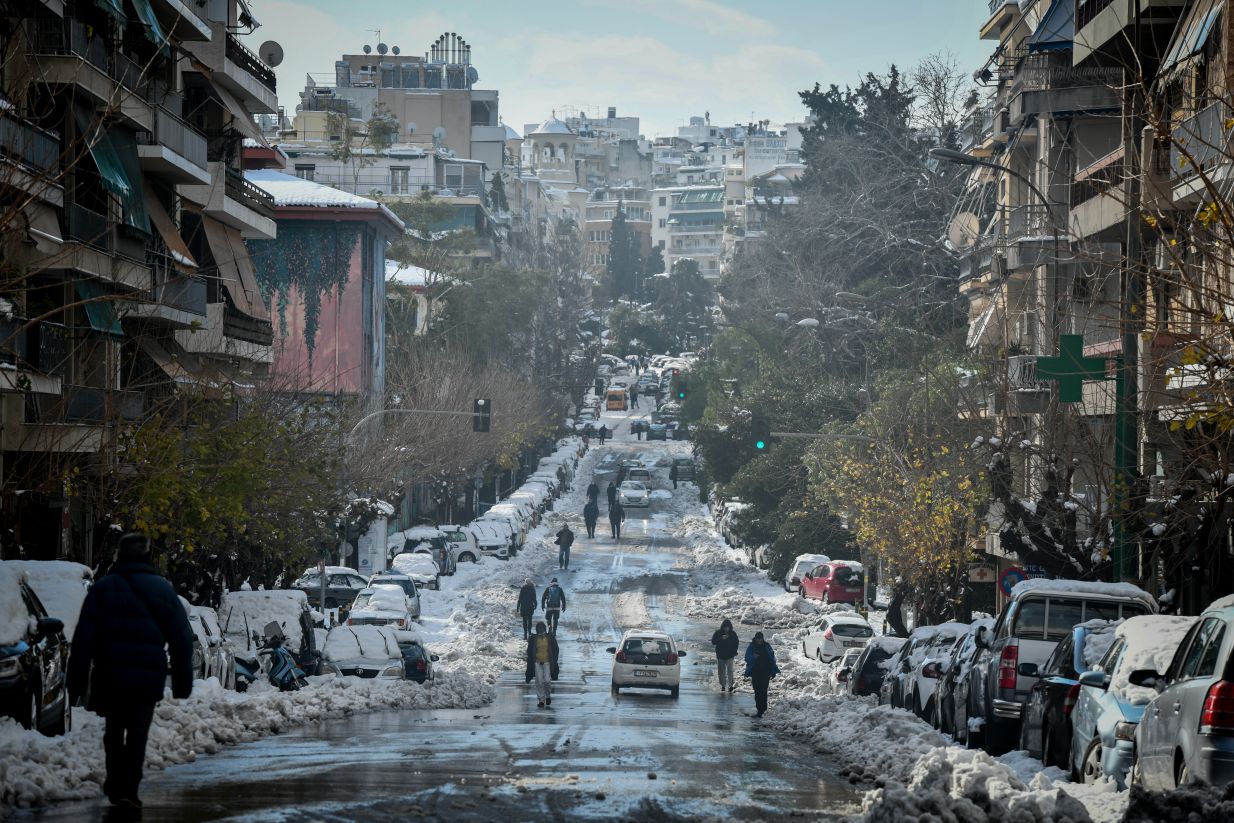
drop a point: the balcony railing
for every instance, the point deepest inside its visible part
(1027, 221)
(1086, 10)
(84, 404)
(27, 144)
(240, 326)
(41, 347)
(1201, 142)
(254, 197)
(177, 135)
(89, 227)
(1099, 177)
(240, 55)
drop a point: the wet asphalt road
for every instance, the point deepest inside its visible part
(640, 756)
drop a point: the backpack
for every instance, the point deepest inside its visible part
(554, 597)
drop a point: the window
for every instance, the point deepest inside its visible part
(454, 176)
(1208, 663)
(663, 223)
(1191, 663)
(1109, 663)
(663, 201)
(399, 179)
(305, 172)
(1060, 663)
(1064, 615)
(1099, 610)
(661, 244)
(852, 630)
(1030, 621)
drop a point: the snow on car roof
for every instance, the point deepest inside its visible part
(422, 531)
(60, 586)
(1226, 602)
(1151, 640)
(417, 563)
(847, 617)
(647, 633)
(351, 642)
(329, 570)
(282, 606)
(1038, 585)
(14, 619)
(812, 558)
(886, 643)
(384, 597)
(850, 564)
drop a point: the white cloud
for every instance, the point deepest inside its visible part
(709, 16)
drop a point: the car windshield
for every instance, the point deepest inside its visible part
(348, 642)
(456, 537)
(646, 650)
(631, 485)
(852, 630)
(404, 583)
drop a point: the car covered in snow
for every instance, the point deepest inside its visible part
(646, 659)
(955, 672)
(417, 660)
(419, 567)
(393, 577)
(34, 656)
(921, 666)
(213, 655)
(342, 583)
(836, 581)
(873, 664)
(382, 605)
(633, 493)
(60, 585)
(1038, 615)
(801, 564)
(1186, 734)
(1108, 708)
(641, 475)
(835, 634)
(246, 614)
(493, 538)
(429, 540)
(363, 651)
(466, 548)
(835, 676)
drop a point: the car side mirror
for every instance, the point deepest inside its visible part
(434, 658)
(611, 650)
(681, 653)
(48, 626)
(1098, 680)
(1028, 670)
(904, 667)
(980, 639)
(1147, 678)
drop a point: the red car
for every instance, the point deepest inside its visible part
(838, 581)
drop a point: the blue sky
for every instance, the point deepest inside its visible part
(662, 60)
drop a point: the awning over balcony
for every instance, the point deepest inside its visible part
(115, 156)
(100, 309)
(166, 227)
(43, 229)
(235, 268)
(1056, 31)
(115, 8)
(1190, 36)
(154, 29)
(176, 363)
(242, 118)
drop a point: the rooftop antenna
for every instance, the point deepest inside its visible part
(376, 32)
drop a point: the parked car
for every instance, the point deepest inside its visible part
(417, 661)
(657, 431)
(925, 665)
(466, 547)
(419, 567)
(34, 657)
(383, 604)
(801, 564)
(836, 581)
(1037, 616)
(245, 614)
(646, 659)
(363, 651)
(429, 540)
(633, 493)
(1045, 732)
(872, 665)
(1109, 708)
(493, 539)
(836, 634)
(1186, 734)
(685, 468)
(342, 584)
(213, 655)
(955, 671)
(60, 585)
(641, 475)
(836, 676)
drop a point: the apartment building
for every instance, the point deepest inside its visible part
(689, 221)
(602, 208)
(126, 274)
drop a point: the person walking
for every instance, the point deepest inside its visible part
(130, 622)
(593, 490)
(725, 640)
(603, 433)
(634, 397)
(526, 605)
(612, 493)
(672, 474)
(591, 513)
(553, 601)
(616, 516)
(542, 664)
(565, 539)
(760, 668)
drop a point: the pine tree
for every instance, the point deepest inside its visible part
(624, 261)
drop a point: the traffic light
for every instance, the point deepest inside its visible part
(683, 388)
(760, 432)
(481, 415)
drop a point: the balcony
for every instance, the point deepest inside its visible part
(89, 228)
(1046, 83)
(1124, 28)
(1097, 200)
(240, 55)
(1002, 13)
(174, 150)
(231, 334)
(1031, 239)
(237, 69)
(31, 156)
(84, 404)
(175, 300)
(32, 356)
(1200, 150)
(231, 199)
(977, 260)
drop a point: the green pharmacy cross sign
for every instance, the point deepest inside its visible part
(1071, 368)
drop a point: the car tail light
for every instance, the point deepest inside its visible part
(1007, 664)
(842, 677)
(349, 621)
(827, 634)
(621, 657)
(671, 659)
(932, 670)
(421, 665)
(402, 622)
(1217, 716)
(1073, 694)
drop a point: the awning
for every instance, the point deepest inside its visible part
(43, 229)
(977, 328)
(166, 227)
(175, 362)
(1190, 35)
(115, 156)
(1056, 30)
(154, 29)
(243, 120)
(115, 8)
(100, 309)
(235, 268)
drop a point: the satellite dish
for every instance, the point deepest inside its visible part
(396, 51)
(964, 230)
(473, 76)
(368, 49)
(439, 132)
(411, 128)
(271, 53)
(382, 48)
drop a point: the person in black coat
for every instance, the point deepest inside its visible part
(543, 655)
(603, 434)
(616, 516)
(565, 539)
(131, 620)
(593, 491)
(612, 493)
(526, 605)
(591, 513)
(726, 642)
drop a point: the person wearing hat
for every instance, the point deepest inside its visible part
(131, 622)
(526, 605)
(553, 601)
(542, 658)
(760, 668)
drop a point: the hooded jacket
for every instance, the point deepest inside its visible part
(761, 664)
(527, 599)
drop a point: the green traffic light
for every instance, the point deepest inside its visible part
(759, 444)
(681, 395)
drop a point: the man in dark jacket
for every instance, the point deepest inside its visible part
(616, 516)
(612, 493)
(526, 605)
(130, 620)
(593, 491)
(760, 668)
(542, 658)
(725, 640)
(634, 397)
(603, 434)
(591, 513)
(565, 539)
(553, 601)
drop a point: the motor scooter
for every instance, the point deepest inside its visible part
(278, 663)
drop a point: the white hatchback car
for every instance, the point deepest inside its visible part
(633, 493)
(836, 634)
(647, 659)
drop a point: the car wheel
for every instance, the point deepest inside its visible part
(1090, 767)
(468, 557)
(1182, 774)
(673, 692)
(65, 721)
(819, 654)
(616, 688)
(998, 738)
(31, 720)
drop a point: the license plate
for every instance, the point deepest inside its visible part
(854, 591)
(645, 673)
(854, 643)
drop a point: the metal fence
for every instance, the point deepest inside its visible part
(29, 145)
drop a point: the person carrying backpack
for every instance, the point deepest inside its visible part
(553, 601)
(565, 539)
(760, 668)
(726, 642)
